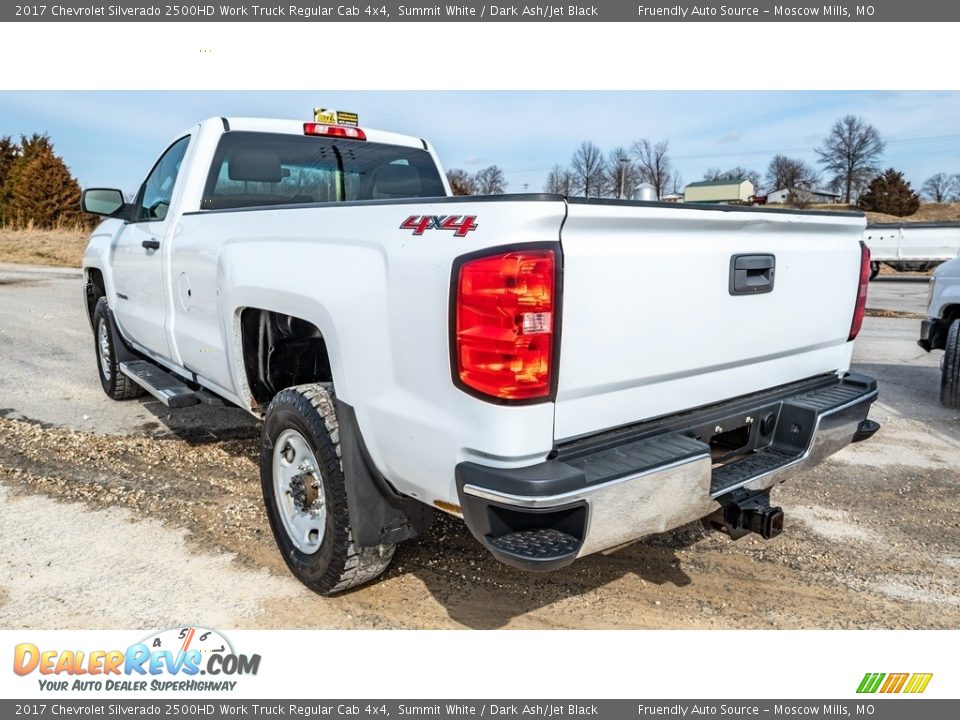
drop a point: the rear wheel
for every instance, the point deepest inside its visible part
(874, 269)
(950, 376)
(115, 384)
(305, 493)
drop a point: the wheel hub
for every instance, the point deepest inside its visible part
(305, 491)
(298, 491)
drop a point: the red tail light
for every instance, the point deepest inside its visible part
(505, 308)
(340, 131)
(861, 307)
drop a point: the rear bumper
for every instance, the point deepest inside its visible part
(607, 490)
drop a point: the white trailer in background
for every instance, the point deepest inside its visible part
(911, 246)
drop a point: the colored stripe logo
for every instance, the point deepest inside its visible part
(913, 683)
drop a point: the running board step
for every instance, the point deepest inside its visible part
(162, 385)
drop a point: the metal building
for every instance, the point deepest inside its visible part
(718, 191)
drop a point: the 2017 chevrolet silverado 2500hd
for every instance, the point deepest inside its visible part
(941, 331)
(566, 376)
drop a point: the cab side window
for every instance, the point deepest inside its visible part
(157, 190)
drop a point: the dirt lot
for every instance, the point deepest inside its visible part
(928, 212)
(115, 514)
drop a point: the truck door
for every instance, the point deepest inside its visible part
(138, 256)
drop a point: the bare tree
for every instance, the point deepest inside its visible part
(622, 175)
(461, 182)
(734, 173)
(559, 181)
(490, 181)
(676, 183)
(588, 170)
(938, 188)
(653, 163)
(955, 187)
(851, 152)
(789, 173)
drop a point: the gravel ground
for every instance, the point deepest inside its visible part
(161, 513)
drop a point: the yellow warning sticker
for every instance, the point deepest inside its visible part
(327, 117)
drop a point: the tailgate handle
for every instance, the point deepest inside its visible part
(752, 274)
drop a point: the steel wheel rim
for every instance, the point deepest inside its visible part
(103, 347)
(298, 492)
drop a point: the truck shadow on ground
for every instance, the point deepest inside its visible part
(199, 424)
(477, 591)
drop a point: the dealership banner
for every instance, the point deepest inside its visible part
(777, 672)
(478, 11)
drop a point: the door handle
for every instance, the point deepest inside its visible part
(151, 244)
(752, 274)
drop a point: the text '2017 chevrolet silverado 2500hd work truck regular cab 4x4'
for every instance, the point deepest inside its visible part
(566, 376)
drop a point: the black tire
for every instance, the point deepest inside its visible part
(339, 563)
(950, 378)
(115, 384)
(874, 269)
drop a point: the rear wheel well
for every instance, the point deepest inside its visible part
(280, 351)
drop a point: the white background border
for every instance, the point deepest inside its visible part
(462, 56)
(478, 56)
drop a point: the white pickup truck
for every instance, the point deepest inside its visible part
(941, 330)
(566, 376)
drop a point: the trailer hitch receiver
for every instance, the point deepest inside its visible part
(745, 512)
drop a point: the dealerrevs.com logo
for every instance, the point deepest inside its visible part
(180, 659)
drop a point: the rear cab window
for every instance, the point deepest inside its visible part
(254, 169)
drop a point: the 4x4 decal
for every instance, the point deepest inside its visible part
(459, 224)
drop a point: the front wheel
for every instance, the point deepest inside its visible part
(305, 493)
(950, 376)
(115, 384)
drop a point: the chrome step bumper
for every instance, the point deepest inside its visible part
(621, 486)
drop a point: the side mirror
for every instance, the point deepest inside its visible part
(101, 201)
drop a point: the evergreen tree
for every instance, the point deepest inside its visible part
(889, 193)
(39, 189)
(8, 155)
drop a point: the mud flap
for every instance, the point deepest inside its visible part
(378, 514)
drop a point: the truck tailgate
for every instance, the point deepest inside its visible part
(650, 326)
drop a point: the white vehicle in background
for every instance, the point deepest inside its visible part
(911, 247)
(564, 375)
(941, 331)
